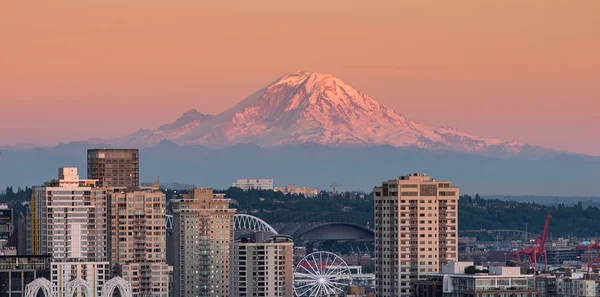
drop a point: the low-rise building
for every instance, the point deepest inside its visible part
(292, 189)
(578, 284)
(17, 271)
(254, 184)
(496, 282)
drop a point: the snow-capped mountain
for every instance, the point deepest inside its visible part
(309, 107)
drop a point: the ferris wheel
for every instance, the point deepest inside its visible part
(320, 274)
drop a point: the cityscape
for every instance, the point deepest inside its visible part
(109, 235)
(299, 149)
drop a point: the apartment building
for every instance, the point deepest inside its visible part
(69, 222)
(203, 233)
(262, 265)
(138, 239)
(69, 218)
(114, 167)
(416, 231)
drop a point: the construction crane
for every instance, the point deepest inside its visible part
(334, 187)
(592, 262)
(537, 249)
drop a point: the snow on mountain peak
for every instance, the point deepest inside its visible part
(311, 107)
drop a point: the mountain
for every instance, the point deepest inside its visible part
(183, 125)
(309, 107)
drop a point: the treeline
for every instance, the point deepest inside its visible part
(9, 194)
(475, 213)
(574, 220)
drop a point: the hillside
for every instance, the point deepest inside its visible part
(318, 166)
(474, 213)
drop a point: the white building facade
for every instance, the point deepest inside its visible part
(254, 184)
(69, 221)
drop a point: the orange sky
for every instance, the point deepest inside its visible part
(75, 69)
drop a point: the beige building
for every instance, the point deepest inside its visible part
(114, 167)
(292, 189)
(262, 266)
(416, 231)
(69, 219)
(203, 228)
(138, 239)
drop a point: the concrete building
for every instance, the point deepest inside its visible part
(6, 224)
(94, 275)
(547, 285)
(203, 228)
(578, 284)
(262, 266)
(254, 184)
(17, 271)
(114, 167)
(69, 219)
(292, 189)
(498, 282)
(416, 231)
(138, 239)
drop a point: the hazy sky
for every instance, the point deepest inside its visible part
(526, 70)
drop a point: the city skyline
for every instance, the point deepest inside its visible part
(483, 74)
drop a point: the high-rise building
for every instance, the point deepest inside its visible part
(69, 221)
(6, 224)
(69, 218)
(114, 167)
(262, 266)
(254, 184)
(416, 231)
(138, 239)
(203, 228)
(22, 237)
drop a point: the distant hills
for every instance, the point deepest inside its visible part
(358, 168)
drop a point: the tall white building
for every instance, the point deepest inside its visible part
(262, 266)
(254, 184)
(416, 231)
(69, 222)
(69, 219)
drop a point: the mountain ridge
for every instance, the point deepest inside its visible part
(311, 107)
(359, 168)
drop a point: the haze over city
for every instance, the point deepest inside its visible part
(509, 70)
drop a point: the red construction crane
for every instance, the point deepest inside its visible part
(537, 249)
(595, 262)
